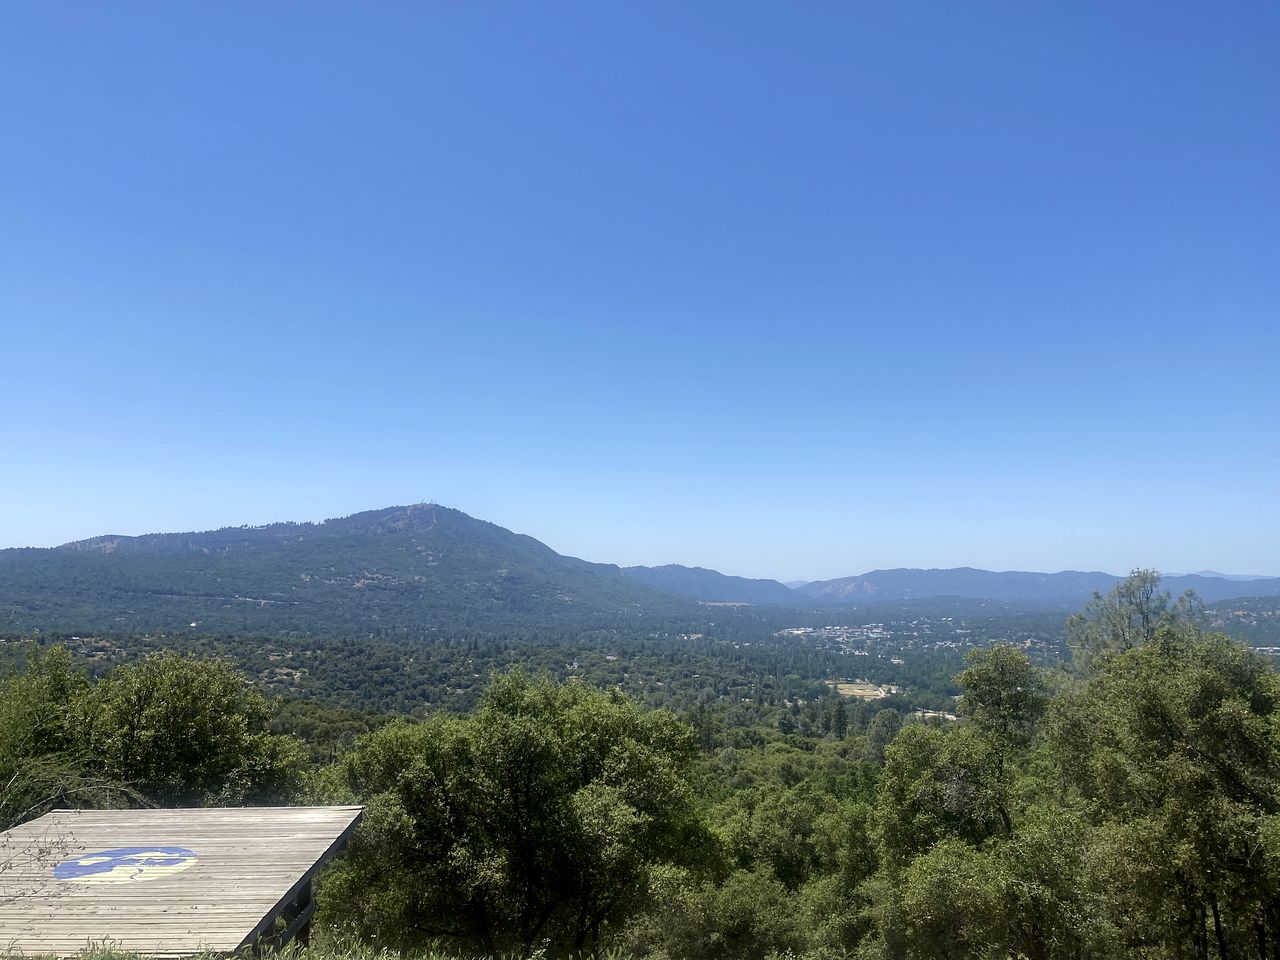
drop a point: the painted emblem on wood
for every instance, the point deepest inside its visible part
(125, 864)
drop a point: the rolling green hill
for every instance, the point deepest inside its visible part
(417, 568)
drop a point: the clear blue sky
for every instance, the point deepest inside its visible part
(792, 290)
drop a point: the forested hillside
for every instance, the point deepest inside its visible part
(414, 569)
(426, 571)
(702, 584)
(1122, 802)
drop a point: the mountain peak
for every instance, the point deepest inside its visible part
(419, 567)
(417, 517)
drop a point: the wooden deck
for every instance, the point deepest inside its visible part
(163, 882)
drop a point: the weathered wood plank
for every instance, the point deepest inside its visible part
(161, 882)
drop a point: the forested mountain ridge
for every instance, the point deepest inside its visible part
(421, 519)
(413, 568)
(713, 586)
(1069, 586)
(424, 569)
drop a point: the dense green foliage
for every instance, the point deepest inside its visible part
(168, 730)
(43, 759)
(687, 797)
(724, 661)
(542, 817)
(187, 732)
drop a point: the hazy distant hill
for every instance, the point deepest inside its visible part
(1067, 586)
(1213, 589)
(703, 584)
(1226, 576)
(402, 568)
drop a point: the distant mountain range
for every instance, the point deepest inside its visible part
(427, 568)
(1225, 576)
(1067, 586)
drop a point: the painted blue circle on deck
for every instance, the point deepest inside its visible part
(123, 864)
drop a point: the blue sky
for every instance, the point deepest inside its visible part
(792, 290)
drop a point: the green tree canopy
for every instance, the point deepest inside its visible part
(939, 784)
(540, 818)
(1004, 695)
(1129, 616)
(1175, 748)
(187, 731)
(44, 760)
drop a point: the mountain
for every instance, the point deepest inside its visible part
(910, 584)
(1215, 588)
(1069, 586)
(1227, 576)
(429, 570)
(710, 585)
(403, 569)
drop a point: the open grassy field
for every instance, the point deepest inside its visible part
(861, 689)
